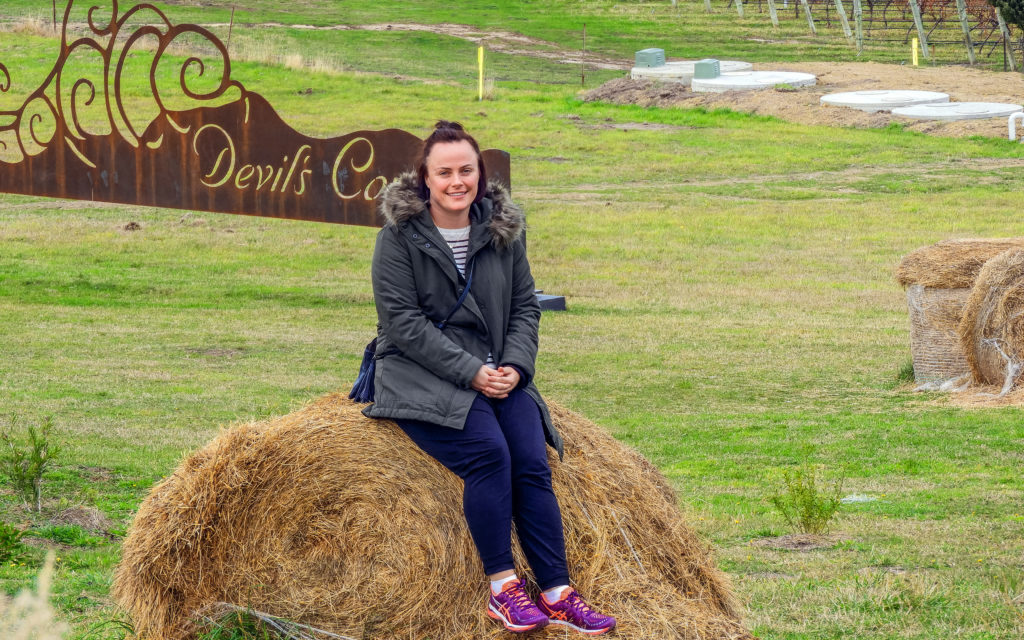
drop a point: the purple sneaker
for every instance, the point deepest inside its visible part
(514, 609)
(573, 612)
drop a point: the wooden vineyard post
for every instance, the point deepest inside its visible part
(707, 6)
(858, 20)
(1007, 42)
(921, 35)
(739, 7)
(810, 18)
(773, 14)
(841, 10)
(961, 9)
(583, 56)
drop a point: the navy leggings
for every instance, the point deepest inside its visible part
(501, 456)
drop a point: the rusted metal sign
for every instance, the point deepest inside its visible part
(78, 136)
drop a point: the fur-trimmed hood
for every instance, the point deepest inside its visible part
(400, 202)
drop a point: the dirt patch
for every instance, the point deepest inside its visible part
(495, 40)
(191, 220)
(49, 545)
(645, 93)
(771, 575)
(196, 3)
(896, 571)
(634, 126)
(608, 123)
(979, 396)
(85, 517)
(96, 474)
(799, 542)
(216, 353)
(963, 84)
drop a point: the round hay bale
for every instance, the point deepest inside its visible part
(934, 332)
(334, 520)
(951, 264)
(992, 327)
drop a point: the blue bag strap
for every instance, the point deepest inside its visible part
(462, 297)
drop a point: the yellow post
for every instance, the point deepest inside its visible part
(913, 50)
(480, 64)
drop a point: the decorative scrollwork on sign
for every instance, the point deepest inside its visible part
(199, 141)
(6, 118)
(110, 41)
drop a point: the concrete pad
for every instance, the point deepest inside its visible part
(752, 80)
(958, 111)
(682, 71)
(883, 100)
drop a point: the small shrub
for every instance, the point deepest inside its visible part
(10, 542)
(906, 372)
(25, 463)
(807, 507)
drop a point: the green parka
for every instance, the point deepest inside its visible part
(422, 372)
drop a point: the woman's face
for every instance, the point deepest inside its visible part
(453, 172)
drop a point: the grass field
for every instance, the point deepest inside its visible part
(732, 309)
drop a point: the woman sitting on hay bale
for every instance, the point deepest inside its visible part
(457, 340)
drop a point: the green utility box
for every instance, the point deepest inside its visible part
(706, 69)
(650, 58)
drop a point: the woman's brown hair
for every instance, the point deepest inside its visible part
(445, 131)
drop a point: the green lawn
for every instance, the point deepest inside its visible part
(732, 308)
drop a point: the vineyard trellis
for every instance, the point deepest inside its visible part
(892, 21)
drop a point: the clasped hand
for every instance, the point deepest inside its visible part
(495, 383)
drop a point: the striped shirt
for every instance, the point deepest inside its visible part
(458, 240)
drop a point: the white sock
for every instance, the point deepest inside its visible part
(496, 585)
(554, 593)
